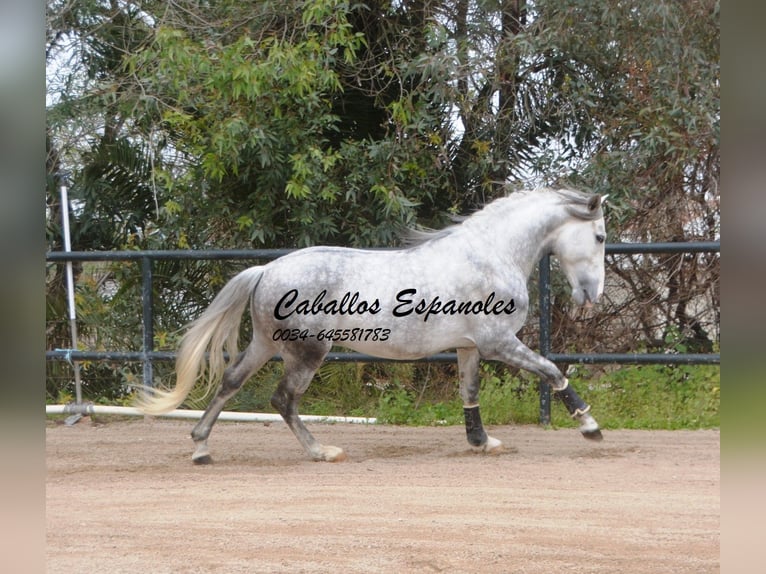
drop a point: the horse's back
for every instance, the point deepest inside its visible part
(398, 304)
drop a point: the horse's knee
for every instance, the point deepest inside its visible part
(230, 383)
(282, 401)
(278, 402)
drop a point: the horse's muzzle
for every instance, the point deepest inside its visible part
(586, 296)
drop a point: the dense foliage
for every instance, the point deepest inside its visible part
(189, 124)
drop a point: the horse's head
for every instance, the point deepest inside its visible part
(579, 247)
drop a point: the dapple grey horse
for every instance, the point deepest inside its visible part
(463, 288)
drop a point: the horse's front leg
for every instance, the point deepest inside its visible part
(468, 367)
(519, 355)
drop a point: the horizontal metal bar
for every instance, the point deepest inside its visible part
(137, 356)
(201, 254)
(637, 358)
(666, 247)
(218, 254)
(70, 355)
(340, 357)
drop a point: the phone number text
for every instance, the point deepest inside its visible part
(334, 335)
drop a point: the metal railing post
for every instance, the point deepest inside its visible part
(147, 305)
(545, 334)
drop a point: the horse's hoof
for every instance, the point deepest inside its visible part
(340, 457)
(492, 446)
(594, 435)
(204, 459)
(331, 454)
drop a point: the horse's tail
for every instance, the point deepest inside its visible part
(215, 331)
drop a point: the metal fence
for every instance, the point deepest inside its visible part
(147, 356)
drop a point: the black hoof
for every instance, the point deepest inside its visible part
(594, 435)
(205, 459)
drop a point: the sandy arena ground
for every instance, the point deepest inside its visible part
(124, 497)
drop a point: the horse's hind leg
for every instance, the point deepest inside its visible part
(468, 367)
(245, 365)
(300, 367)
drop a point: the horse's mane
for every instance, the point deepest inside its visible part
(577, 203)
(414, 236)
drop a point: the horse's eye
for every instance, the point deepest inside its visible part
(600, 237)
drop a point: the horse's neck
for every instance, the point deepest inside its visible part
(522, 235)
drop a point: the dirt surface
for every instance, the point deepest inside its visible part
(123, 496)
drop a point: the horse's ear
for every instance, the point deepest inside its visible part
(594, 202)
